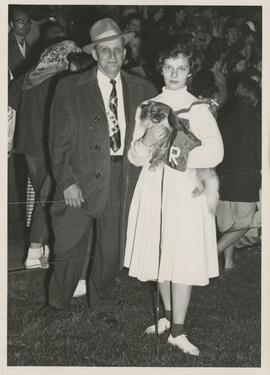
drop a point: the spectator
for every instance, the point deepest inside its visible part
(204, 87)
(236, 66)
(246, 43)
(31, 139)
(176, 23)
(18, 48)
(134, 62)
(231, 35)
(133, 23)
(214, 61)
(240, 176)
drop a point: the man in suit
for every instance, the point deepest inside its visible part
(18, 48)
(92, 124)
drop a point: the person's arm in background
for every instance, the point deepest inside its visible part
(60, 146)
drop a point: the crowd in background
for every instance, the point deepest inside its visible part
(227, 43)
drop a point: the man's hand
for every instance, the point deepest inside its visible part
(154, 134)
(73, 196)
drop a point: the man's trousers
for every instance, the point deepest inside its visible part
(72, 227)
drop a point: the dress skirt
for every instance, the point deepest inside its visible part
(171, 236)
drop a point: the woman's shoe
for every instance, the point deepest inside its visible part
(37, 258)
(182, 343)
(80, 289)
(163, 325)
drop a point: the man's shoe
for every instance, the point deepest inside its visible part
(108, 317)
(46, 311)
(80, 289)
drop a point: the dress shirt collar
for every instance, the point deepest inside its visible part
(103, 79)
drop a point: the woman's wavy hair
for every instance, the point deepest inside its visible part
(172, 50)
(232, 60)
(248, 91)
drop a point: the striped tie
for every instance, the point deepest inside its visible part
(115, 137)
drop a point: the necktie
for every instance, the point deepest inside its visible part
(115, 137)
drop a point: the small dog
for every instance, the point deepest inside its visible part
(174, 148)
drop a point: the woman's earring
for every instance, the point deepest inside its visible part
(189, 75)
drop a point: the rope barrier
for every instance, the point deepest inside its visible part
(34, 267)
(23, 269)
(62, 201)
(42, 202)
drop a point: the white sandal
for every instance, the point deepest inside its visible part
(163, 325)
(184, 344)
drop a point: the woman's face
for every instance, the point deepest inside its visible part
(135, 45)
(240, 66)
(259, 65)
(175, 72)
(250, 40)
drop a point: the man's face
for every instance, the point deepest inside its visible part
(232, 35)
(109, 56)
(135, 25)
(21, 23)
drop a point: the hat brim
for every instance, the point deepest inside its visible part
(126, 36)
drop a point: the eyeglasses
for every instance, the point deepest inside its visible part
(23, 22)
(108, 52)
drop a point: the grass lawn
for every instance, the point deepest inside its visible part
(223, 321)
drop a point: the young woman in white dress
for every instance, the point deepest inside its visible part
(171, 235)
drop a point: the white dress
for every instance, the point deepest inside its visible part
(172, 236)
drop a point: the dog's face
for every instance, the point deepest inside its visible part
(155, 112)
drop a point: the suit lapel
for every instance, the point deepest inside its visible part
(96, 93)
(89, 96)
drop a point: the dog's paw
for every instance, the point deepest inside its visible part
(197, 192)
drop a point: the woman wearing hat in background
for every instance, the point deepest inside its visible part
(31, 139)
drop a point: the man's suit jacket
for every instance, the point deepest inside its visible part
(79, 139)
(16, 62)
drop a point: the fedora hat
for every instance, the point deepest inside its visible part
(104, 30)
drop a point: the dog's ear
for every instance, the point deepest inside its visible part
(145, 108)
(147, 104)
(173, 119)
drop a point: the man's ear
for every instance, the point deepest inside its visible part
(11, 23)
(94, 54)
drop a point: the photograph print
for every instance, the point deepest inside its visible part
(134, 185)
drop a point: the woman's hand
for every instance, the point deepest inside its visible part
(153, 135)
